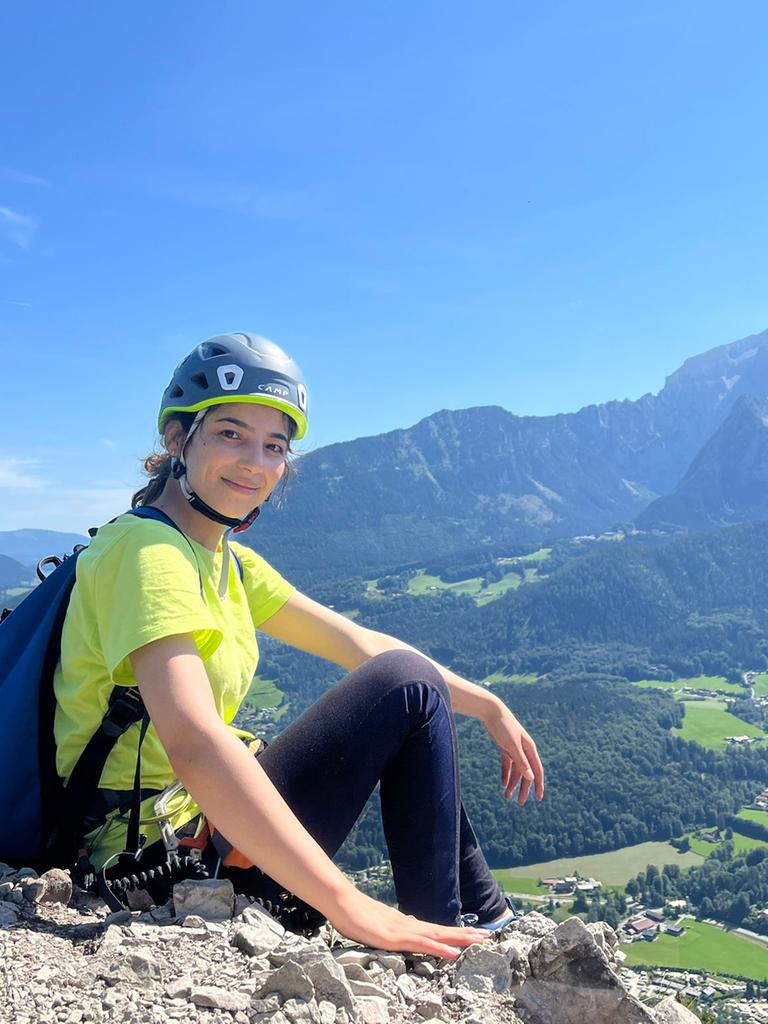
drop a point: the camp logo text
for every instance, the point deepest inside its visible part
(278, 390)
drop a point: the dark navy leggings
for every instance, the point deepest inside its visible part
(390, 721)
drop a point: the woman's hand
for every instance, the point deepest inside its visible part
(520, 762)
(379, 926)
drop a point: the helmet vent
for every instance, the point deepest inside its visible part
(200, 380)
(210, 349)
(176, 392)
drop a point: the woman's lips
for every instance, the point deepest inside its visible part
(240, 488)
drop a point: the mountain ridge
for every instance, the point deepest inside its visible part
(468, 477)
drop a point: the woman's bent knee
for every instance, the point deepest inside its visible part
(398, 668)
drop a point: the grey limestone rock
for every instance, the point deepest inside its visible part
(219, 998)
(301, 1011)
(367, 988)
(33, 889)
(483, 971)
(8, 915)
(430, 1007)
(268, 1005)
(373, 1010)
(289, 982)
(534, 924)
(258, 917)
(516, 948)
(327, 1011)
(254, 940)
(354, 972)
(180, 988)
(572, 982)
(389, 961)
(330, 982)
(362, 957)
(669, 1011)
(212, 899)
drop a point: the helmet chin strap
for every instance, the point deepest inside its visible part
(179, 472)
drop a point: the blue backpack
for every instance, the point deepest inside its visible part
(41, 819)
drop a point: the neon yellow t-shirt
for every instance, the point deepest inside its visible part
(139, 581)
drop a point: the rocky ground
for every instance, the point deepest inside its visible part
(213, 958)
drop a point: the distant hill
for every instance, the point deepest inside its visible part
(483, 476)
(637, 608)
(728, 480)
(29, 546)
(13, 573)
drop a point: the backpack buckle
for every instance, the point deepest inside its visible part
(124, 711)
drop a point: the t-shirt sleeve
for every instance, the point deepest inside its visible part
(147, 587)
(266, 590)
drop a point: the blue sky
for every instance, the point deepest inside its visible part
(428, 205)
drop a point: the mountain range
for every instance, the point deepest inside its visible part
(29, 546)
(462, 479)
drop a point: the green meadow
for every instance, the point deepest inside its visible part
(702, 947)
(761, 685)
(708, 724)
(696, 683)
(761, 817)
(537, 556)
(263, 694)
(424, 583)
(500, 677)
(516, 884)
(741, 844)
(613, 868)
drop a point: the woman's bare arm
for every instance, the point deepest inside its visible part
(312, 627)
(236, 795)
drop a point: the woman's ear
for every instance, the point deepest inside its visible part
(173, 437)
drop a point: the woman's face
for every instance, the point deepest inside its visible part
(237, 456)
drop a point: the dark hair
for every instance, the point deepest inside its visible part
(157, 465)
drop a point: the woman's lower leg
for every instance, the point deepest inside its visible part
(389, 720)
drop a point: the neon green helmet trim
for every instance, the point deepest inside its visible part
(299, 419)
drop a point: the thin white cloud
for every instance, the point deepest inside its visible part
(15, 302)
(17, 227)
(106, 443)
(14, 475)
(20, 178)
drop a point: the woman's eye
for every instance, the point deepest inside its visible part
(229, 433)
(277, 448)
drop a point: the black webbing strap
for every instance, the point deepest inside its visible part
(125, 708)
(132, 845)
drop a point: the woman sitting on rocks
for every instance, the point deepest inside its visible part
(170, 607)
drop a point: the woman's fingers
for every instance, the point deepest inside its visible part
(445, 942)
(506, 769)
(536, 765)
(383, 927)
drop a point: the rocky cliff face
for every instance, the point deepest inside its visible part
(210, 958)
(459, 479)
(727, 482)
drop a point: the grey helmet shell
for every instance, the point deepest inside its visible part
(237, 367)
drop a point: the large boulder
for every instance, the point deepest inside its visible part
(572, 982)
